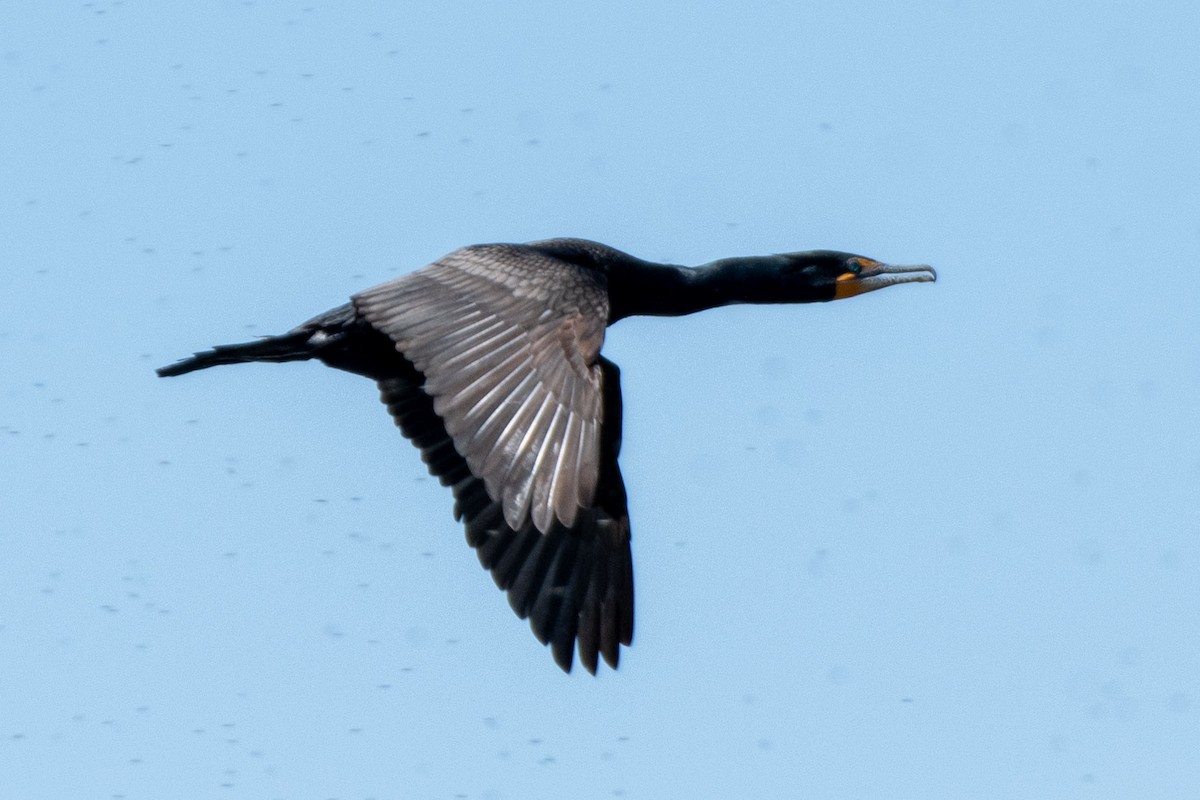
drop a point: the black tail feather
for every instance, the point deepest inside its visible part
(294, 346)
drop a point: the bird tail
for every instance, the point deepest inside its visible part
(293, 346)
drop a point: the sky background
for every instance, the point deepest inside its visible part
(938, 541)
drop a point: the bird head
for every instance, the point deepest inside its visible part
(834, 275)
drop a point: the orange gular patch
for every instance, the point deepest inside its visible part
(848, 282)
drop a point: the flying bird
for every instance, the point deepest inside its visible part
(489, 361)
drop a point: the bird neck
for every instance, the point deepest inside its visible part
(667, 290)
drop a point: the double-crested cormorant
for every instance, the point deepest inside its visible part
(489, 361)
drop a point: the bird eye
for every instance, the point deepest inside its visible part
(854, 266)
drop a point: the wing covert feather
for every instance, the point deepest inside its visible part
(507, 338)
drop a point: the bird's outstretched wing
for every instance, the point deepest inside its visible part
(508, 338)
(572, 583)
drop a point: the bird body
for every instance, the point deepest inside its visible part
(489, 362)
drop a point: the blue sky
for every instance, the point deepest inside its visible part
(938, 541)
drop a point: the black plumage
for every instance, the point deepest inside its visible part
(489, 362)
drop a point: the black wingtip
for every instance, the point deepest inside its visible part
(564, 654)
